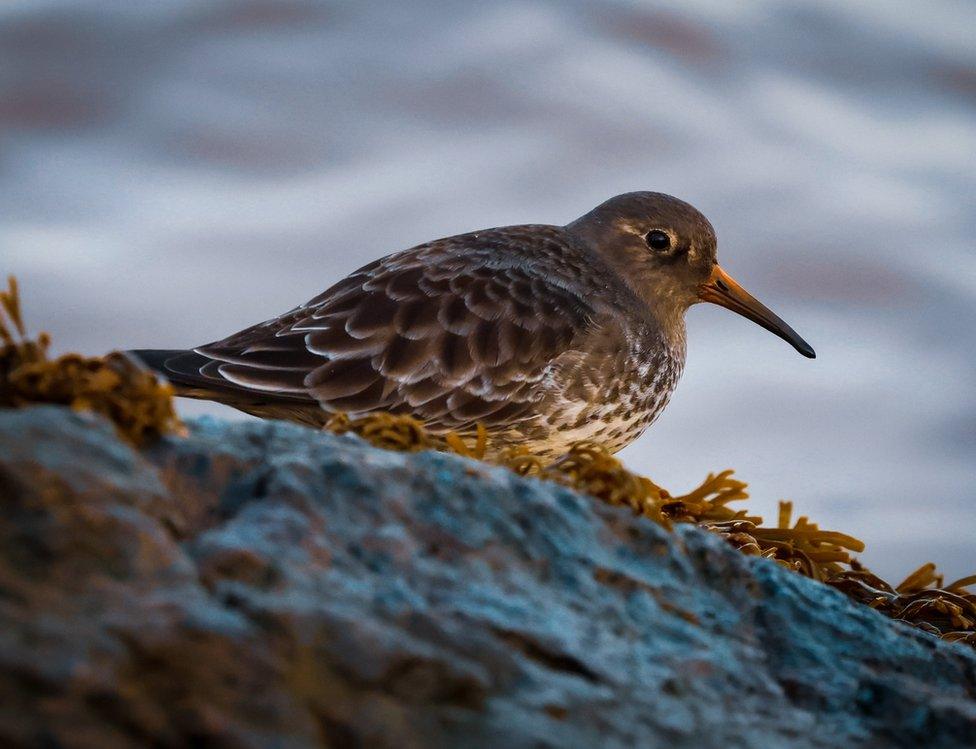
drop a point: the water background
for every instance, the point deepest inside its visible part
(173, 171)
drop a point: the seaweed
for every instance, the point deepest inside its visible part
(116, 385)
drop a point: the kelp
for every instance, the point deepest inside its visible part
(116, 386)
(922, 599)
(141, 407)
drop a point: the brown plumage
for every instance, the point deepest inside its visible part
(544, 334)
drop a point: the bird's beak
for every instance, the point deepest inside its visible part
(721, 289)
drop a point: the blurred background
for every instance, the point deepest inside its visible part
(173, 171)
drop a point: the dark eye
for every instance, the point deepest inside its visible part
(657, 240)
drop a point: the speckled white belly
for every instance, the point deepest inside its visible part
(618, 409)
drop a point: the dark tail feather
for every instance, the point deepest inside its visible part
(187, 371)
(178, 366)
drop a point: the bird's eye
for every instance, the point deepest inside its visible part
(658, 240)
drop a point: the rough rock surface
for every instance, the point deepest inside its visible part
(259, 584)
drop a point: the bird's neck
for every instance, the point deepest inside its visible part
(668, 322)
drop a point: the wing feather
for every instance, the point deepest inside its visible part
(455, 331)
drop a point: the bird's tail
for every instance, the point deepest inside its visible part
(183, 370)
(194, 375)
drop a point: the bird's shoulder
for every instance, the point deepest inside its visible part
(550, 253)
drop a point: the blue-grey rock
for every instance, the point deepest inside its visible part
(263, 585)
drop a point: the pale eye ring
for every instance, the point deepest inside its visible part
(658, 240)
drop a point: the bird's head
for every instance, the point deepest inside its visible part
(665, 249)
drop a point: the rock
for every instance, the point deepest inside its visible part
(259, 584)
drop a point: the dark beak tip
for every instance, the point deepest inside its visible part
(807, 350)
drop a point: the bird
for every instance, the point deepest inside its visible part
(544, 335)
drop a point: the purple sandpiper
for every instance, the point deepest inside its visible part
(546, 335)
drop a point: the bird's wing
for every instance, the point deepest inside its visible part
(454, 332)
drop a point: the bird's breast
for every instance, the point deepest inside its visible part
(611, 397)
